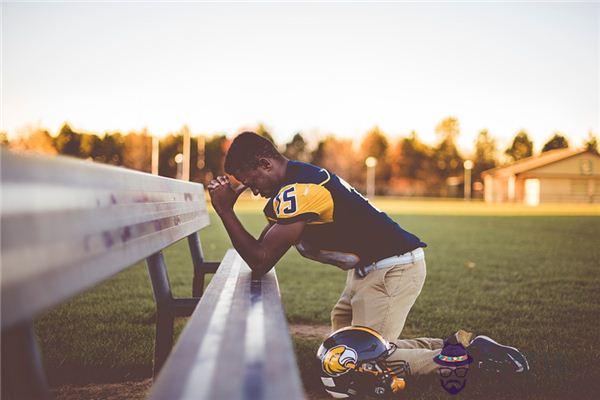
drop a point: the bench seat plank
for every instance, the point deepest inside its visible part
(236, 344)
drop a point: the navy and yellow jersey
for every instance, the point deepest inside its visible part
(342, 228)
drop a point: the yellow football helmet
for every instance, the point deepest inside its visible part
(353, 363)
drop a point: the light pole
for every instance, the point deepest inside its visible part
(468, 164)
(200, 163)
(155, 149)
(371, 162)
(179, 162)
(185, 172)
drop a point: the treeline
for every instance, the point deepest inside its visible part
(407, 166)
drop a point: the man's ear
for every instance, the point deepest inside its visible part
(265, 163)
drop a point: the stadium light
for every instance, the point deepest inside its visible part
(468, 164)
(179, 161)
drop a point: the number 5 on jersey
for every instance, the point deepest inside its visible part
(286, 201)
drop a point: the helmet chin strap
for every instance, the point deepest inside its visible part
(392, 349)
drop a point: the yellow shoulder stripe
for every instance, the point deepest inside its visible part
(303, 198)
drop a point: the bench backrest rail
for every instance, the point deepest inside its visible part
(67, 225)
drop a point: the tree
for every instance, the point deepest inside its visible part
(592, 143)
(90, 146)
(112, 149)
(262, 130)
(485, 154)
(557, 141)
(138, 151)
(170, 145)
(338, 156)
(215, 151)
(296, 149)
(38, 141)
(412, 158)
(447, 160)
(317, 156)
(375, 144)
(448, 128)
(521, 147)
(68, 142)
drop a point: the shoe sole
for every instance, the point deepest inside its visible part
(514, 354)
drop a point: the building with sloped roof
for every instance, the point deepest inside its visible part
(555, 176)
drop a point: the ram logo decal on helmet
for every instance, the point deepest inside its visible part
(339, 360)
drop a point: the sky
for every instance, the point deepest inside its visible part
(323, 68)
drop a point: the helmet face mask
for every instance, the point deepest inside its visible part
(353, 363)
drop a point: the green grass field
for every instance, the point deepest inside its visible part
(529, 277)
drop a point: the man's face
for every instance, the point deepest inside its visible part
(260, 180)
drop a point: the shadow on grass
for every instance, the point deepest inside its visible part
(535, 385)
(76, 374)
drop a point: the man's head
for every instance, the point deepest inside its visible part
(254, 161)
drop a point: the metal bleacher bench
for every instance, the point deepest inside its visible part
(68, 225)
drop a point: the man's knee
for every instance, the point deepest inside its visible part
(340, 318)
(337, 314)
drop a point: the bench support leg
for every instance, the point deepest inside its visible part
(164, 340)
(198, 261)
(167, 308)
(165, 317)
(22, 372)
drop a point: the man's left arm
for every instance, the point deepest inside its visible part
(260, 256)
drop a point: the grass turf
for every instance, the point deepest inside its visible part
(524, 278)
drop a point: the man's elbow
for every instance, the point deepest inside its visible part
(261, 265)
(259, 269)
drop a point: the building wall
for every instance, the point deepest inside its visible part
(495, 189)
(571, 190)
(555, 190)
(520, 190)
(488, 192)
(572, 180)
(585, 164)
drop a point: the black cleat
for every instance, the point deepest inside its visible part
(490, 356)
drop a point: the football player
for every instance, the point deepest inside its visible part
(318, 212)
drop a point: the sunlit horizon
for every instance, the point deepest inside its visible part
(313, 68)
